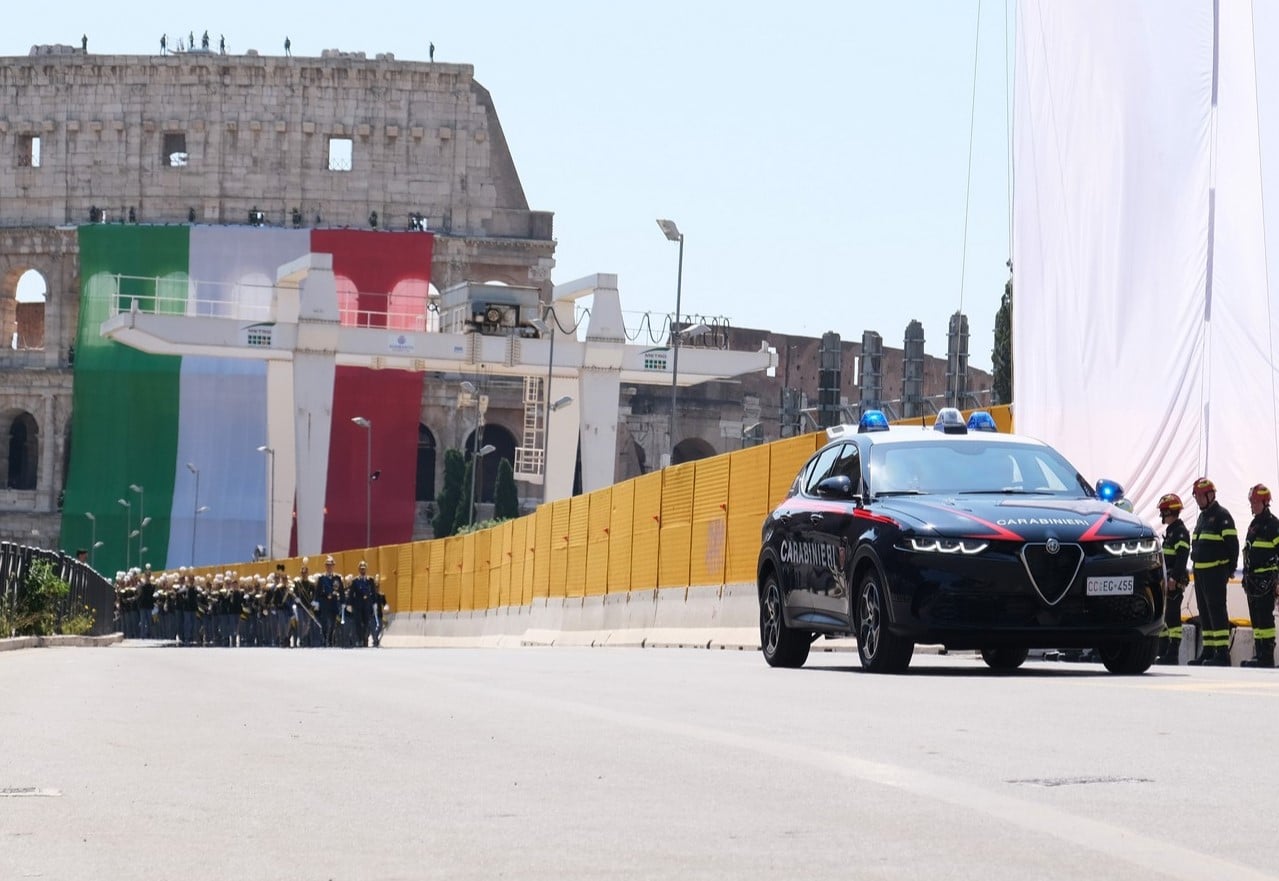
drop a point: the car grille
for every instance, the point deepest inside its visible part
(1052, 573)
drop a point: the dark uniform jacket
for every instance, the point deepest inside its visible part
(1215, 541)
(1261, 554)
(1177, 552)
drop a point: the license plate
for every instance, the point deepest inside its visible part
(1109, 585)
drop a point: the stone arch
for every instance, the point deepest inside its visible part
(25, 294)
(21, 451)
(504, 440)
(691, 449)
(425, 491)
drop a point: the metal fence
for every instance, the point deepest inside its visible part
(88, 588)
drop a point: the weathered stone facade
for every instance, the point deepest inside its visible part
(207, 138)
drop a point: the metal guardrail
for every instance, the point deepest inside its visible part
(88, 587)
(248, 301)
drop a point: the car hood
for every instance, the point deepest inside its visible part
(1016, 518)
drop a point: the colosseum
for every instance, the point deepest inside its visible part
(213, 169)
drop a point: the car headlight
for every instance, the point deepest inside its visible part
(948, 545)
(1135, 546)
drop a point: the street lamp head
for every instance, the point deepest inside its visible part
(146, 521)
(124, 502)
(670, 230)
(361, 421)
(562, 402)
(98, 544)
(539, 325)
(485, 450)
(265, 449)
(135, 487)
(468, 387)
(89, 514)
(201, 509)
(192, 468)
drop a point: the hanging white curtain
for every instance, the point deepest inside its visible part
(1142, 333)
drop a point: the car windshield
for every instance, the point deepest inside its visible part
(972, 466)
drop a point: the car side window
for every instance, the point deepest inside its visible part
(821, 467)
(849, 464)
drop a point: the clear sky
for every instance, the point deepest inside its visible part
(814, 154)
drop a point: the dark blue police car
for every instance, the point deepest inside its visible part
(958, 536)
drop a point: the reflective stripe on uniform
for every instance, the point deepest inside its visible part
(1263, 633)
(1213, 564)
(1216, 638)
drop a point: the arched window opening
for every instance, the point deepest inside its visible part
(28, 327)
(24, 445)
(486, 478)
(425, 491)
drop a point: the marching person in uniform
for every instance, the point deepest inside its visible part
(329, 593)
(362, 595)
(1214, 548)
(1260, 568)
(1176, 556)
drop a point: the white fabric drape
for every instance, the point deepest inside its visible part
(1143, 339)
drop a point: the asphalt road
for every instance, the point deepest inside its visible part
(136, 762)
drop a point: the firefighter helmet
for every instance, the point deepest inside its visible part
(1204, 485)
(1169, 504)
(1259, 493)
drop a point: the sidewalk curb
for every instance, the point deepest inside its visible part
(33, 642)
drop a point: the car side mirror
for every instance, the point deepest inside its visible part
(838, 487)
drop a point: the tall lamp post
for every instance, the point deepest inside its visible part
(270, 502)
(368, 477)
(93, 534)
(128, 533)
(142, 519)
(671, 231)
(195, 508)
(470, 389)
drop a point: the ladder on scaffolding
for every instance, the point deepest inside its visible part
(530, 455)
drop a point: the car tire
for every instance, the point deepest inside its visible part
(1004, 658)
(782, 646)
(879, 650)
(1130, 658)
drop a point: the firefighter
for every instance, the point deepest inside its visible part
(1214, 549)
(1260, 567)
(1176, 556)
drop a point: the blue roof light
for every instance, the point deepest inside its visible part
(872, 420)
(1109, 491)
(980, 420)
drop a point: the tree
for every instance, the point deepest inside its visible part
(1001, 357)
(506, 500)
(444, 523)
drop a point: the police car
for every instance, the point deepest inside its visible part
(960, 536)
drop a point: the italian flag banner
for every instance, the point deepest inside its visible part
(163, 450)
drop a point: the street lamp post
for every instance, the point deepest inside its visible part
(470, 389)
(128, 534)
(93, 534)
(671, 231)
(142, 519)
(367, 425)
(195, 508)
(270, 501)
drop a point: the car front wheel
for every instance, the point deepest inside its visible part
(1130, 658)
(879, 650)
(783, 646)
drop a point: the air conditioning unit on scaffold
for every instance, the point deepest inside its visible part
(495, 309)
